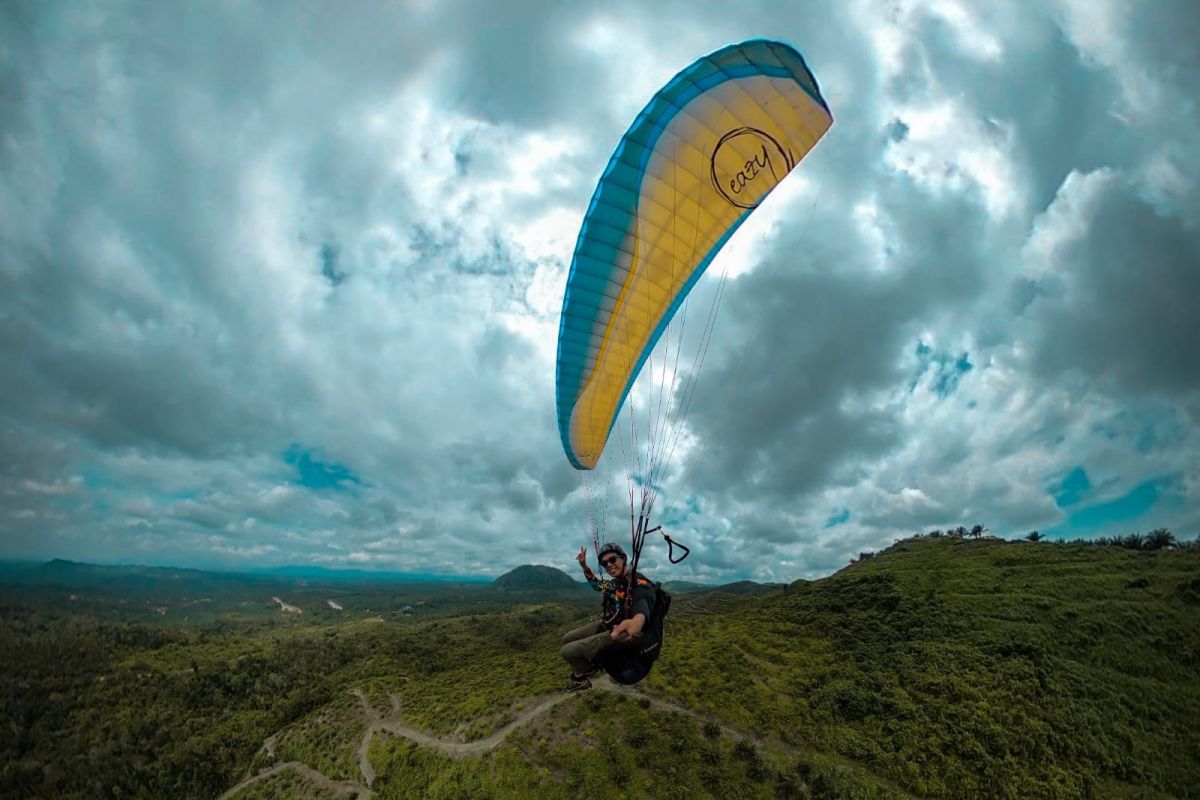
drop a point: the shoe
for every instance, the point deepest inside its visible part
(578, 684)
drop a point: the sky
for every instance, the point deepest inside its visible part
(280, 283)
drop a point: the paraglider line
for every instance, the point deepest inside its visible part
(736, 380)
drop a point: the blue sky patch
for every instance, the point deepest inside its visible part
(840, 518)
(329, 265)
(1099, 517)
(315, 474)
(947, 369)
(1072, 488)
(640, 480)
(897, 131)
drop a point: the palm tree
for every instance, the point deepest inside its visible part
(1134, 541)
(1159, 539)
(977, 531)
(1034, 536)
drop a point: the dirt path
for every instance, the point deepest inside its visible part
(666, 705)
(544, 704)
(458, 749)
(339, 787)
(364, 763)
(392, 724)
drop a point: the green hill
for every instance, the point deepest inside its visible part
(957, 669)
(535, 576)
(939, 668)
(749, 588)
(685, 587)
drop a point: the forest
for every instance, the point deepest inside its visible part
(941, 667)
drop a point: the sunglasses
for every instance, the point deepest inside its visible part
(611, 560)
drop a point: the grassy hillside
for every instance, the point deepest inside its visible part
(971, 669)
(939, 668)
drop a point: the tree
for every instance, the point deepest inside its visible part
(1034, 536)
(1159, 539)
(977, 531)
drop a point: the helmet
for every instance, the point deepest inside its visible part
(611, 547)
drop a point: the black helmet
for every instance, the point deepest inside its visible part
(611, 547)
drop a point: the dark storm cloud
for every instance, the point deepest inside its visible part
(516, 62)
(1130, 306)
(825, 329)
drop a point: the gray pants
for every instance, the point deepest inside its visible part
(582, 647)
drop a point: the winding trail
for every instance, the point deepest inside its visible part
(733, 733)
(459, 749)
(392, 724)
(339, 787)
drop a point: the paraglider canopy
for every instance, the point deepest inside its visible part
(700, 157)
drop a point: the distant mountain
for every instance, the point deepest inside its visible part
(535, 576)
(685, 587)
(75, 574)
(744, 588)
(749, 588)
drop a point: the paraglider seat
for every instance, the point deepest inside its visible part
(626, 666)
(632, 662)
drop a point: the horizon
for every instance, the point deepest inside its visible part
(272, 303)
(290, 569)
(297, 570)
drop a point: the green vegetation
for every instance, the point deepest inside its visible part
(944, 667)
(956, 668)
(536, 576)
(96, 708)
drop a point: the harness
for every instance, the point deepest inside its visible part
(617, 600)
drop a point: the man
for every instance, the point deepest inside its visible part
(622, 617)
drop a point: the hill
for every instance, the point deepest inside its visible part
(174, 595)
(749, 588)
(685, 587)
(535, 576)
(981, 669)
(936, 669)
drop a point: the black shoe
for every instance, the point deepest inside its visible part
(578, 683)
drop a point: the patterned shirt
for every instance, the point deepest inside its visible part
(615, 598)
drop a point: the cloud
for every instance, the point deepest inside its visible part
(1119, 284)
(227, 232)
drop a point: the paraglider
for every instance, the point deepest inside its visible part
(694, 164)
(631, 615)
